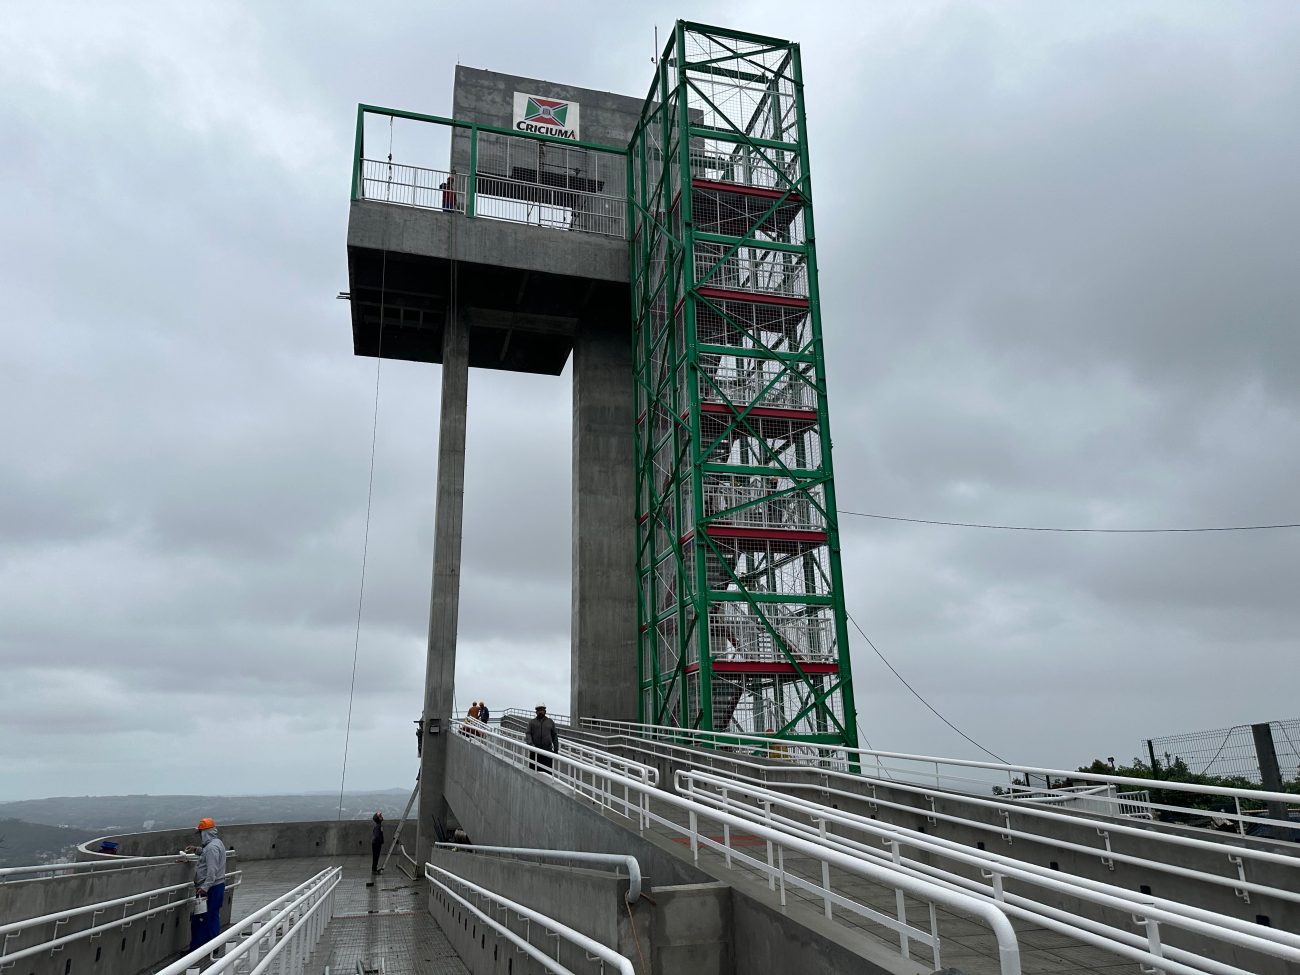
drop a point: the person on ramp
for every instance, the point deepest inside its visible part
(542, 734)
(209, 882)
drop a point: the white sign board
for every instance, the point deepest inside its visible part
(546, 116)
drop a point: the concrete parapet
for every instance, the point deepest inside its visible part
(589, 901)
(253, 841)
(500, 805)
(378, 226)
(146, 942)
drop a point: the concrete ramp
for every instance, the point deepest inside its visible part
(694, 921)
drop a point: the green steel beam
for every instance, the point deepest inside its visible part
(674, 462)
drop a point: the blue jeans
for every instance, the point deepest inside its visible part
(205, 927)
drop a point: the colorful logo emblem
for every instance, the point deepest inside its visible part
(546, 111)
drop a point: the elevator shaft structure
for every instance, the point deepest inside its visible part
(741, 616)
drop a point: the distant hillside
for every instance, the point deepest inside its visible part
(130, 814)
(23, 843)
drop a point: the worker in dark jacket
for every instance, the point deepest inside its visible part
(542, 734)
(376, 840)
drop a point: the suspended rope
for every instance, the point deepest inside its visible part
(370, 494)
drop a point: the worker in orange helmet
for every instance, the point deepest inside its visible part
(209, 884)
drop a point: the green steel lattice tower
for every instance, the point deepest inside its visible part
(740, 595)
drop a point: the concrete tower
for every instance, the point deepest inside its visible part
(458, 261)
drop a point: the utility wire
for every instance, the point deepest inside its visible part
(1095, 531)
(917, 693)
(370, 495)
(365, 551)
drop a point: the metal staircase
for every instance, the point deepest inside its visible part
(742, 624)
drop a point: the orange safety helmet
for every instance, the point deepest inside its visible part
(206, 823)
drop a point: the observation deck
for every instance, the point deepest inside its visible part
(524, 233)
(694, 853)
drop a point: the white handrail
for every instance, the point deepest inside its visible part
(560, 719)
(839, 752)
(14, 928)
(91, 866)
(267, 925)
(770, 770)
(1255, 937)
(620, 859)
(591, 753)
(569, 771)
(961, 903)
(605, 954)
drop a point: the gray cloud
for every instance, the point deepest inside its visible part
(1057, 249)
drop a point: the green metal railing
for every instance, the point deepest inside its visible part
(499, 173)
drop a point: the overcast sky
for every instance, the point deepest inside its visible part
(1060, 274)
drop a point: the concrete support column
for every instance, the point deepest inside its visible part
(444, 601)
(603, 678)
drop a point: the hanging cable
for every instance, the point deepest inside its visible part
(917, 694)
(370, 494)
(1094, 531)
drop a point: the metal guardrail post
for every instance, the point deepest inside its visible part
(472, 198)
(359, 151)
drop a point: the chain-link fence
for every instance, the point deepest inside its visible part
(1230, 752)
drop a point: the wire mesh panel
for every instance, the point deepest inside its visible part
(1230, 752)
(767, 565)
(732, 397)
(750, 269)
(767, 703)
(529, 181)
(744, 381)
(752, 325)
(773, 633)
(748, 439)
(758, 501)
(722, 159)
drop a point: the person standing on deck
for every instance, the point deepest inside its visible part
(542, 734)
(209, 882)
(376, 840)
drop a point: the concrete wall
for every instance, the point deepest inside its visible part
(432, 233)
(500, 805)
(771, 940)
(488, 97)
(692, 930)
(685, 931)
(145, 943)
(258, 841)
(589, 901)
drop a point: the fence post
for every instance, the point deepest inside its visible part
(1269, 773)
(1155, 769)
(472, 200)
